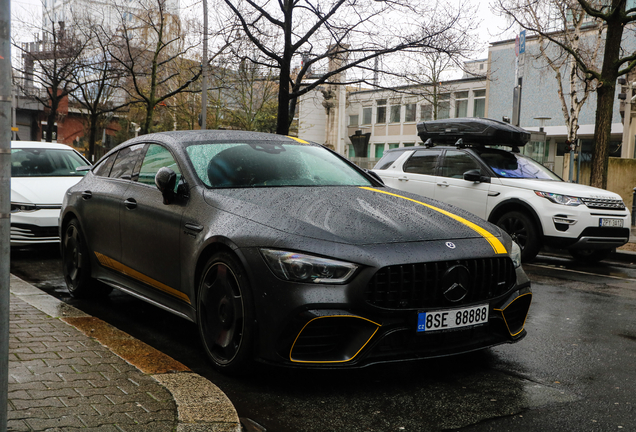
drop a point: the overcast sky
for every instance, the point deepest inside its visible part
(491, 29)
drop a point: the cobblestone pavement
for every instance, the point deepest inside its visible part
(61, 380)
(69, 372)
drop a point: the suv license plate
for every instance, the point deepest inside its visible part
(607, 222)
(452, 318)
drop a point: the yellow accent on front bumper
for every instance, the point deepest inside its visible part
(497, 246)
(291, 358)
(503, 314)
(121, 268)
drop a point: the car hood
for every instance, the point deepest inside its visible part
(561, 187)
(351, 215)
(41, 190)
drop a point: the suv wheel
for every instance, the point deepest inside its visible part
(523, 231)
(590, 255)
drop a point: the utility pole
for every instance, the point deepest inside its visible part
(204, 66)
(6, 101)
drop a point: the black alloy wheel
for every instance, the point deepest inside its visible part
(76, 266)
(223, 315)
(523, 231)
(590, 255)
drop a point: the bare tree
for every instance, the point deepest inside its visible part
(354, 32)
(49, 64)
(613, 18)
(152, 48)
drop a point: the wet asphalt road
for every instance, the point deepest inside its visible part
(575, 371)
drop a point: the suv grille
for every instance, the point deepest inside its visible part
(412, 286)
(597, 203)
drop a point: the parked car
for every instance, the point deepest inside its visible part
(41, 173)
(282, 251)
(530, 202)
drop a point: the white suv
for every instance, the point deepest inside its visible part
(531, 203)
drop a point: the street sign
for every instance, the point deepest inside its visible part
(522, 42)
(517, 46)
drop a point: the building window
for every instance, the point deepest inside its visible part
(479, 105)
(366, 116)
(461, 104)
(381, 111)
(443, 106)
(394, 145)
(409, 112)
(353, 120)
(395, 113)
(426, 112)
(409, 144)
(379, 151)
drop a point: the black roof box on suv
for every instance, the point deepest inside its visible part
(472, 131)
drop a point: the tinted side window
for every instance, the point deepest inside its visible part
(387, 160)
(422, 162)
(456, 163)
(104, 167)
(125, 162)
(157, 157)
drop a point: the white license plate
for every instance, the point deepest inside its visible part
(452, 318)
(608, 222)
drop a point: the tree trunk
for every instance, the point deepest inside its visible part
(92, 138)
(605, 100)
(282, 122)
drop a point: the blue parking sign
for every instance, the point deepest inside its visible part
(522, 42)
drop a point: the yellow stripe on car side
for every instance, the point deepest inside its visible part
(121, 268)
(497, 246)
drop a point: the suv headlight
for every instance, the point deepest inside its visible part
(298, 267)
(560, 199)
(515, 254)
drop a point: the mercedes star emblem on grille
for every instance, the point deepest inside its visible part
(450, 245)
(455, 283)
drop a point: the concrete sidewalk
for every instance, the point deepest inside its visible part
(70, 372)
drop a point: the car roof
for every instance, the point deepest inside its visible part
(220, 135)
(40, 145)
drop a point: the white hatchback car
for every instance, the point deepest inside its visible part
(41, 173)
(530, 202)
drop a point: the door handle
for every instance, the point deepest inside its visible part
(443, 184)
(403, 179)
(87, 195)
(130, 203)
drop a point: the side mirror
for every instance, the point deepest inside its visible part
(165, 180)
(474, 175)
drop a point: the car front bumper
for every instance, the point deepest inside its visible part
(35, 227)
(334, 326)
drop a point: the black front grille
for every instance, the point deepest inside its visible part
(415, 286)
(597, 203)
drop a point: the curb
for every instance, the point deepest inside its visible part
(201, 405)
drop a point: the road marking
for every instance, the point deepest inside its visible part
(580, 272)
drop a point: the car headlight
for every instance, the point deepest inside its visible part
(298, 267)
(515, 254)
(560, 199)
(21, 207)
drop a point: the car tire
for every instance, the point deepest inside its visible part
(590, 255)
(224, 317)
(76, 265)
(523, 231)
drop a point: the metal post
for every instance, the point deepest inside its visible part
(204, 70)
(634, 207)
(5, 203)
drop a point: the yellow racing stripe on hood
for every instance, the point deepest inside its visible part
(497, 246)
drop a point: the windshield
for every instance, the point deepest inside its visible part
(265, 164)
(514, 165)
(39, 162)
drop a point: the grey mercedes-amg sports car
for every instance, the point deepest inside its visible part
(284, 252)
